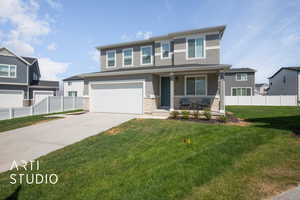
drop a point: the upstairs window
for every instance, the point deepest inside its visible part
(8, 71)
(241, 91)
(111, 58)
(72, 93)
(196, 86)
(195, 48)
(165, 50)
(241, 77)
(35, 77)
(146, 55)
(127, 57)
(69, 83)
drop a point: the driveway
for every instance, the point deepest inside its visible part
(31, 142)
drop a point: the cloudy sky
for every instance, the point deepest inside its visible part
(263, 34)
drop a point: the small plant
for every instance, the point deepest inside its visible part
(185, 114)
(174, 114)
(207, 114)
(223, 118)
(196, 114)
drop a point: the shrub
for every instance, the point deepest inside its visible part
(223, 118)
(196, 114)
(207, 114)
(174, 114)
(185, 114)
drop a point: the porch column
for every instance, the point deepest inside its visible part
(222, 92)
(172, 79)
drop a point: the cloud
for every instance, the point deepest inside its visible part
(52, 47)
(290, 40)
(51, 69)
(54, 4)
(95, 55)
(143, 34)
(26, 25)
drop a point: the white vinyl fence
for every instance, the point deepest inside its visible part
(262, 100)
(51, 104)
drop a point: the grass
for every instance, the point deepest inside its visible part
(149, 159)
(10, 124)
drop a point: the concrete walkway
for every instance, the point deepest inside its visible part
(31, 142)
(292, 194)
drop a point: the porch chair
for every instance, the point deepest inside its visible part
(184, 103)
(204, 103)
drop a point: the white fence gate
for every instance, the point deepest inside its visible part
(48, 105)
(285, 100)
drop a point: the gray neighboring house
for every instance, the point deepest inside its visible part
(164, 72)
(286, 81)
(20, 82)
(239, 82)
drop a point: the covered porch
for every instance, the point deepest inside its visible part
(189, 91)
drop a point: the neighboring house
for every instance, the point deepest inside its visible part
(20, 82)
(261, 89)
(73, 86)
(239, 82)
(169, 71)
(286, 81)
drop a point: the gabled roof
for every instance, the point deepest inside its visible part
(21, 58)
(234, 70)
(219, 29)
(296, 68)
(73, 78)
(29, 59)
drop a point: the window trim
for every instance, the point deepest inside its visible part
(9, 66)
(236, 76)
(203, 36)
(241, 95)
(141, 55)
(195, 76)
(72, 91)
(107, 58)
(123, 57)
(161, 49)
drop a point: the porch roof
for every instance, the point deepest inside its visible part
(157, 70)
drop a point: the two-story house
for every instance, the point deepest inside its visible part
(239, 82)
(160, 72)
(20, 83)
(286, 81)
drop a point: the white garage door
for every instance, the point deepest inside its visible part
(117, 98)
(40, 95)
(11, 98)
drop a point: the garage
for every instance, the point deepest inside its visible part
(39, 95)
(11, 98)
(117, 97)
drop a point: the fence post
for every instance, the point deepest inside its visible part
(11, 113)
(62, 103)
(48, 104)
(74, 102)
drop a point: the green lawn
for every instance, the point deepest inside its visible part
(10, 124)
(148, 159)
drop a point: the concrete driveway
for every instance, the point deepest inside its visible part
(31, 142)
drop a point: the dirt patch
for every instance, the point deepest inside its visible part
(113, 131)
(239, 123)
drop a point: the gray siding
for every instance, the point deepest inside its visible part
(230, 81)
(178, 49)
(21, 69)
(279, 87)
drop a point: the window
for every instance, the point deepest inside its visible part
(196, 86)
(9, 71)
(69, 83)
(35, 77)
(241, 91)
(72, 93)
(146, 55)
(195, 48)
(111, 58)
(241, 77)
(165, 50)
(127, 57)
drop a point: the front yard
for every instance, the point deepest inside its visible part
(167, 159)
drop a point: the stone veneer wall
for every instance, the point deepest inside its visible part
(215, 106)
(150, 104)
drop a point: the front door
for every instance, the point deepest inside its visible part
(165, 91)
